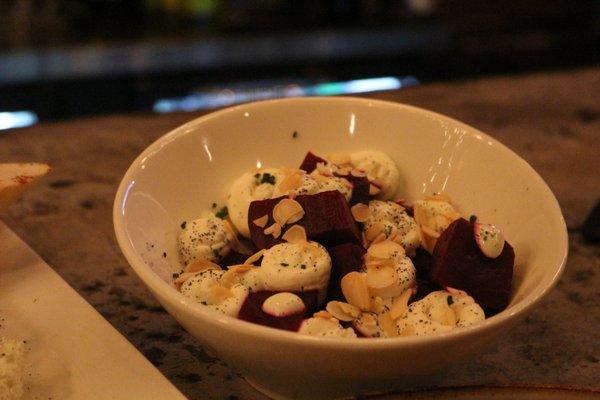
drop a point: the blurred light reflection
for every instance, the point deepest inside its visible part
(210, 99)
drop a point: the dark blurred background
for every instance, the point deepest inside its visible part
(68, 58)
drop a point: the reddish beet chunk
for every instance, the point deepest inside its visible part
(459, 263)
(360, 189)
(309, 164)
(251, 310)
(327, 220)
(345, 258)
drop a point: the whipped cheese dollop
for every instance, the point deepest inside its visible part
(325, 327)
(439, 311)
(205, 238)
(436, 214)
(283, 304)
(392, 220)
(204, 288)
(292, 267)
(335, 183)
(368, 325)
(380, 169)
(251, 186)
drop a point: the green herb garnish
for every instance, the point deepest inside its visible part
(267, 178)
(222, 213)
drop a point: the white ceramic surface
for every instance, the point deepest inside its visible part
(186, 170)
(72, 353)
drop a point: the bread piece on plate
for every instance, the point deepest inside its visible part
(15, 178)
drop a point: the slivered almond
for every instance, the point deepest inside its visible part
(374, 230)
(373, 190)
(368, 320)
(438, 197)
(400, 304)
(262, 221)
(218, 294)
(387, 324)
(377, 305)
(385, 249)
(254, 257)
(355, 290)
(295, 234)
(360, 212)
(274, 230)
(343, 171)
(323, 169)
(358, 173)
(200, 265)
(228, 279)
(322, 314)
(379, 238)
(241, 268)
(184, 276)
(379, 277)
(347, 183)
(428, 238)
(319, 177)
(290, 182)
(343, 311)
(340, 158)
(287, 211)
(379, 263)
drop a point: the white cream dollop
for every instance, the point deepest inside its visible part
(490, 239)
(292, 267)
(247, 188)
(439, 311)
(307, 185)
(436, 214)
(283, 304)
(335, 183)
(396, 224)
(405, 278)
(380, 168)
(205, 238)
(200, 288)
(325, 327)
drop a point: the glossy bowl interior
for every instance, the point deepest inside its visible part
(188, 169)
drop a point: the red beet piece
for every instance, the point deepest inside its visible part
(345, 258)
(459, 263)
(360, 189)
(309, 164)
(251, 310)
(327, 220)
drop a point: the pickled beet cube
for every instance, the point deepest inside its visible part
(309, 164)
(459, 263)
(252, 311)
(345, 258)
(327, 220)
(360, 189)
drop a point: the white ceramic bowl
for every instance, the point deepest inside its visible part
(185, 171)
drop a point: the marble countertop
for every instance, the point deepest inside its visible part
(552, 120)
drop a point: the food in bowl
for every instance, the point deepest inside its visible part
(323, 250)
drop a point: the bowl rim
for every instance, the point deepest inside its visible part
(158, 285)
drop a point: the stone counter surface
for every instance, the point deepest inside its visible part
(552, 120)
